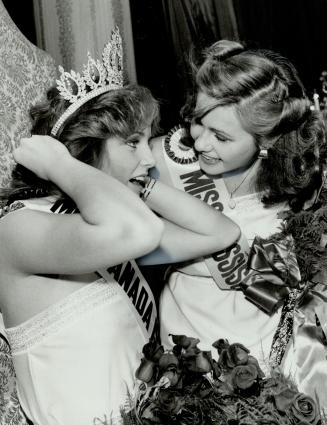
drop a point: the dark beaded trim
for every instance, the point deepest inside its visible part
(27, 193)
(284, 329)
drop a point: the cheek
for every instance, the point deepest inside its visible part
(237, 154)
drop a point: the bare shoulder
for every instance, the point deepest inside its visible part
(13, 226)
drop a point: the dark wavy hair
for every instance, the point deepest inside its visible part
(272, 106)
(120, 112)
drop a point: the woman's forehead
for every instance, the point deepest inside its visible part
(203, 101)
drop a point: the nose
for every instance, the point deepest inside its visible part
(147, 158)
(202, 140)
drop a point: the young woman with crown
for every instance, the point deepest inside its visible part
(77, 310)
(253, 148)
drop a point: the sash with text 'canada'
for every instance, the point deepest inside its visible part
(227, 267)
(131, 280)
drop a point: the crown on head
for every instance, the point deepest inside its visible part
(97, 78)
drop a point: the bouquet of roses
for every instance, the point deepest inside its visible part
(187, 386)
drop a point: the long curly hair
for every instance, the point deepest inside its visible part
(272, 106)
(119, 113)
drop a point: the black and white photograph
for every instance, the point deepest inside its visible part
(163, 212)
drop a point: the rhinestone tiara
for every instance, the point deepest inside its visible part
(97, 78)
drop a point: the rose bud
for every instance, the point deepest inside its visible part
(224, 361)
(184, 341)
(153, 351)
(221, 344)
(202, 361)
(146, 371)
(238, 354)
(166, 360)
(191, 352)
(198, 363)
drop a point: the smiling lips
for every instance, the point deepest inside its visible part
(209, 159)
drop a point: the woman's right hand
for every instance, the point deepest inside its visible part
(40, 154)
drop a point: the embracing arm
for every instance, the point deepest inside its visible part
(113, 224)
(191, 227)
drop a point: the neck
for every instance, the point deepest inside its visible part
(241, 182)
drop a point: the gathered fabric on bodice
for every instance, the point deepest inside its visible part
(192, 304)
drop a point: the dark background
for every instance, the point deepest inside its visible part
(165, 30)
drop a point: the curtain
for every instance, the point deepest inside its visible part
(195, 24)
(68, 29)
(164, 34)
(294, 28)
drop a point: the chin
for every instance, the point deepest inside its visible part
(212, 170)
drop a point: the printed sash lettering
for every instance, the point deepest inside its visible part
(227, 267)
(130, 278)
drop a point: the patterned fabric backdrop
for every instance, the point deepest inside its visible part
(68, 29)
(25, 74)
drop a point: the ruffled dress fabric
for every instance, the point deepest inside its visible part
(75, 361)
(192, 304)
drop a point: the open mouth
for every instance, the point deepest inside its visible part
(140, 180)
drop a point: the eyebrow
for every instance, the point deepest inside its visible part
(136, 134)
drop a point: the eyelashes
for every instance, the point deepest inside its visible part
(132, 143)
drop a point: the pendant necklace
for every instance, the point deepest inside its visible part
(231, 201)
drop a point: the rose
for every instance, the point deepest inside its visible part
(221, 344)
(200, 363)
(153, 351)
(304, 410)
(238, 354)
(233, 355)
(168, 402)
(244, 376)
(146, 371)
(184, 341)
(167, 360)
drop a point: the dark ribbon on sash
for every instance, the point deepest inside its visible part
(274, 271)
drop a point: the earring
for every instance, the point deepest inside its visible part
(263, 153)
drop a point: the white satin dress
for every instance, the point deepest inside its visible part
(75, 361)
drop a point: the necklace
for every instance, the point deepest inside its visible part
(231, 201)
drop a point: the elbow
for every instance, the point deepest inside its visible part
(149, 234)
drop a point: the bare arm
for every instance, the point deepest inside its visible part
(113, 224)
(192, 228)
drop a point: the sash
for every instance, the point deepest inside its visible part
(229, 266)
(139, 294)
(127, 275)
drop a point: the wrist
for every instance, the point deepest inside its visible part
(146, 190)
(62, 167)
